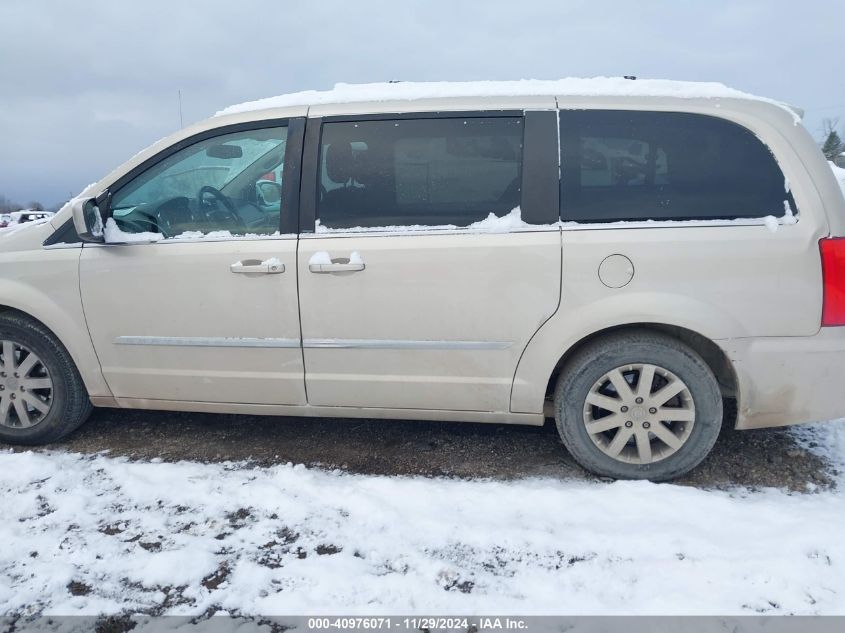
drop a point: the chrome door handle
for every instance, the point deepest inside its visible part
(321, 262)
(270, 266)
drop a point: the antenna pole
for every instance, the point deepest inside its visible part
(181, 125)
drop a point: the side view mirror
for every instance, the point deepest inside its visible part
(269, 192)
(87, 220)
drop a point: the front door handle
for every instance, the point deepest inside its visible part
(270, 266)
(322, 262)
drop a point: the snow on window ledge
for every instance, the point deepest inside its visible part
(114, 235)
(510, 222)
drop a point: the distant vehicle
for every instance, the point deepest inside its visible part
(21, 217)
(632, 258)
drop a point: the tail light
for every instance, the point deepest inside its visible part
(833, 272)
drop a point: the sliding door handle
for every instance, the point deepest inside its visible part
(335, 268)
(321, 262)
(270, 266)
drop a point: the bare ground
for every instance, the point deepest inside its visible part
(768, 457)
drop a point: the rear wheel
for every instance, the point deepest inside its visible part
(638, 405)
(42, 397)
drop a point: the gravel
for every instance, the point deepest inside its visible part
(755, 459)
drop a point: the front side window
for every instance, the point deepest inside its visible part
(410, 172)
(635, 166)
(231, 182)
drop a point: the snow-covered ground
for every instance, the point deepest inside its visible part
(94, 534)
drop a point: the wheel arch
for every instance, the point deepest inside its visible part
(714, 356)
(66, 331)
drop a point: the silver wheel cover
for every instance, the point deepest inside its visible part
(26, 389)
(639, 413)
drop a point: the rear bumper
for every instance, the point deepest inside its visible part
(789, 380)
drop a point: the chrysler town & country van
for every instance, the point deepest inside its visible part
(635, 259)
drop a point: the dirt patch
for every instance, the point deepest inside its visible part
(766, 457)
(216, 579)
(77, 588)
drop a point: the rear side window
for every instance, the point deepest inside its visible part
(635, 166)
(430, 172)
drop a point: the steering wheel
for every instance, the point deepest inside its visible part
(222, 199)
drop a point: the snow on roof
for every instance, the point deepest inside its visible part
(571, 86)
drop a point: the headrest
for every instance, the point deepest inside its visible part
(339, 161)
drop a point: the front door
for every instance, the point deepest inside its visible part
(427, 274)
(194, 298)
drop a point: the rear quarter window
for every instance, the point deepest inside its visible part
(637, 166)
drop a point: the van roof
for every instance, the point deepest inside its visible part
(344, 93)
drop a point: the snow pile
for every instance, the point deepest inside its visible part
(787, 219)
(273, 263)
(511, 222)
(91, 534)
(320, 258)
(323, 258)
(571, 86)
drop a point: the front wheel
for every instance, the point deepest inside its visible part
(42, 397)
(639, 405)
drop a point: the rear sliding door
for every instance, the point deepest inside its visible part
(429, 255)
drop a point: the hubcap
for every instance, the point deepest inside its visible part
(639, 414)
(26, 390)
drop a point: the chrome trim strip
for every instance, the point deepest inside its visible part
(358, 343)
(206, 341)
(310, 343)
(539, 228)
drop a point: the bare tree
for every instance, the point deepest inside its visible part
(35, 205)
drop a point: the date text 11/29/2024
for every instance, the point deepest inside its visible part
(417, 623)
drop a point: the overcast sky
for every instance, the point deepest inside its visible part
(85, 85)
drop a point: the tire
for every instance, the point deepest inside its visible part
(629, 438)
(60, 408)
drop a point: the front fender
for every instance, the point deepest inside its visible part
(44, 284)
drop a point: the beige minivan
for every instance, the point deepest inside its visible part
(635, 258)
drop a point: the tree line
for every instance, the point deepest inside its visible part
(7, 205)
